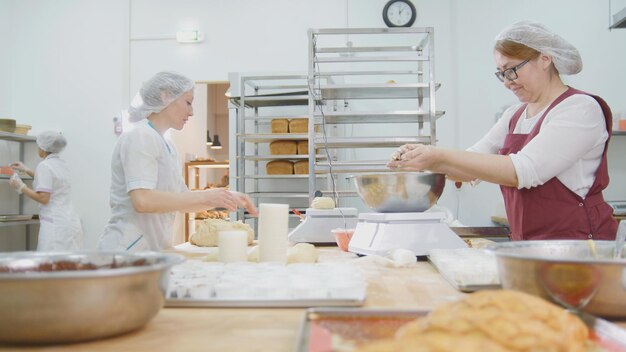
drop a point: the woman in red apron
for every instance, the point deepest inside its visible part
(548, 154)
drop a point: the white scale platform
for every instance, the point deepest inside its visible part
(379, 233)
(316, 226)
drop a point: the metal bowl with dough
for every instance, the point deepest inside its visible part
(70, 297)
(400, 192)
(578, 274)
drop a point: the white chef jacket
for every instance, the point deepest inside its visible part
(569, 145)
(59, 225)
(142, 159)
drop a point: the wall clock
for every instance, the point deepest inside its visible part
(399, 13)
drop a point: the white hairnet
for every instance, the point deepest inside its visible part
(51, 141)
(157, 93)
(537, 36)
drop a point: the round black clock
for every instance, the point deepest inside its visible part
(399, 13)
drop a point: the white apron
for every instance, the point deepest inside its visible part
(60, 228)
(142, 159)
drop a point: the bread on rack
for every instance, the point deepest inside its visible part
(279, 167)
(280, 126)
(301, 167)
(299, 126)
(303, 147)
(283, 147)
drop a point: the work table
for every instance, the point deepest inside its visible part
(275, 329)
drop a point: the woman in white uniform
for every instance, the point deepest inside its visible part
(60, 228)
(147, 187)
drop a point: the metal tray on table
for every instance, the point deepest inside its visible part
(331, 329)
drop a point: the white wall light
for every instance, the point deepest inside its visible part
(189, 36)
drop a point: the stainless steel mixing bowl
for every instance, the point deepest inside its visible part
(45, 299)
(566, 272)
(400, 192)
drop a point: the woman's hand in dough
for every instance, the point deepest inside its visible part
(397, 155)
(419, 157)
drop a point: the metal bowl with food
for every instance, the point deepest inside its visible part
(70, 297)
(400, 192)
(580, 275)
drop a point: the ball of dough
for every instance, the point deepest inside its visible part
(323, 203)
(206, 234)
(302, 253)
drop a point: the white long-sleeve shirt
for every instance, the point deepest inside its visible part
(569, 144)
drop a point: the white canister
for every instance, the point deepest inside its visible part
(273, 229)
(233, 246)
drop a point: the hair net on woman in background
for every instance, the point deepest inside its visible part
(51, 141)
(537, 36)
(157, 93)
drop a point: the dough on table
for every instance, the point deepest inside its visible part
(323, 203)
(206, 234)
(302, 253)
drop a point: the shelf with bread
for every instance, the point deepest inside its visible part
(272, 151)
(387, 78)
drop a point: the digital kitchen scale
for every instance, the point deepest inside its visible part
(316, 226)
(379, 233)
(619, 207)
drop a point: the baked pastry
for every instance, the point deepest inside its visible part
(279, 167)
(280, 126)
(282, 147)
(299, 126)
(206, 234)
(301, 167)
(500, 320)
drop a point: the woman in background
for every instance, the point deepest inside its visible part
(548, 153)
(147, 186)
(59, 228)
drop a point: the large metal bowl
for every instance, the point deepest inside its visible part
(400, 192)
(70, 297)
(566, 272)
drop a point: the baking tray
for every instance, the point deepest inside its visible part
(323, 327)
(262, 303)
(5, 218)
(457, 265)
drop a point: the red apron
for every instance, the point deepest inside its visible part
(551, 210)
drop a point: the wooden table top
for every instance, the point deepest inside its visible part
(275, 329)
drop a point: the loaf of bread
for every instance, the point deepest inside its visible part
(299, 126)
(282, 147)
(279, 167)
(301, 167)
(280, 126)
(303, 147)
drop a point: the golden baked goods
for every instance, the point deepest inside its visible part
(212, 214)
(303, 147)
(282, 147)
(299, 126)
(500, 320)
(206, 234)
(280, 126)
(279, 167)
(301, 167)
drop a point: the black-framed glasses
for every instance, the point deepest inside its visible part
(510, 73)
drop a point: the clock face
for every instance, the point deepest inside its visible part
(399, 13)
